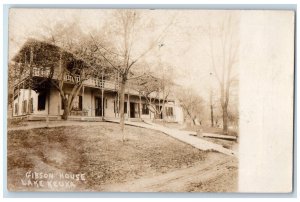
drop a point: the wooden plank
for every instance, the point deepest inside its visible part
(219, 136)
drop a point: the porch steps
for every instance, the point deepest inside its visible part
(56, 118)
(85, 118)
(135, 120)
(42, 118)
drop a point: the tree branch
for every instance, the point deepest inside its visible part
(96, 44)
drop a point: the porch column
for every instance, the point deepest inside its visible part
(118, 104)
(19, 93)
(128, 105)
(59, 104)
(23, 97)
(48, 99)
(115, 106)
(118, 99)
(30, 81)
(92, 107)
(102, 94)
(25, 63)
(13, 97)
(140, 107)
(29, 99)
(82, 98)
(159, 110)
(102, 103)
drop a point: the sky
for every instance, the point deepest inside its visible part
(185, 45)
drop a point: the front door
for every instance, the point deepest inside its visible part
(132, 110)
(98, 107)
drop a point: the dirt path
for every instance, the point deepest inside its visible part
(197, 178)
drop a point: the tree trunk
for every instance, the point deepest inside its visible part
(212, 115)
(224, 104)
(140, 106)
(194, 121)
(66, 109)
(122, 98)
(225, 119)
(163, 114)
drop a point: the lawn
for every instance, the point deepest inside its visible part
(229, 144)
(197, 128)
(96, 152)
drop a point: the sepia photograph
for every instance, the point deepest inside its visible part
(141, 100)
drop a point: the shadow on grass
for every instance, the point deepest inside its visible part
(98, 152)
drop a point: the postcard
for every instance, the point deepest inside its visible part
(150, 100)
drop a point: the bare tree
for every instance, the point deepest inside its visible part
(223, 54)
(211, 107)
(78, 63)
(191, 103)
(155, 90)
(127, 24)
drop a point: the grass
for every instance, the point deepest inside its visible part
(196, 128)
(209, 129)
(16, 122)
(228, 144)
(98, 152)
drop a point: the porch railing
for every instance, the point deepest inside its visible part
(41, 72)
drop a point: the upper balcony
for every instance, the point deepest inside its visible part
(110, 85)
(45, 73)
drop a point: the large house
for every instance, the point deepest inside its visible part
(36, 98)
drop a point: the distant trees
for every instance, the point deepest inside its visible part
(192, 104)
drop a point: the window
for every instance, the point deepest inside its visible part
(169, 111)
(16, 108)
(125, 107)
(145, 109)
(42, 101)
